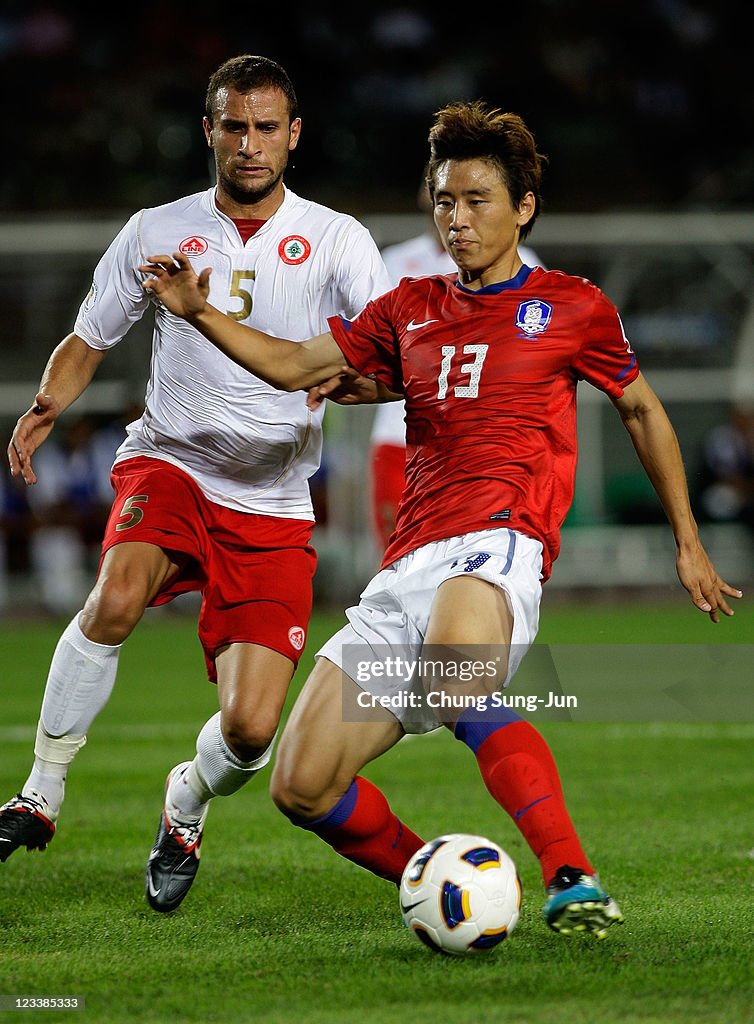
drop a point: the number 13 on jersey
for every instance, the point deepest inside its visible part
(473, 370)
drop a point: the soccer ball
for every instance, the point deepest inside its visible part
(460, 894)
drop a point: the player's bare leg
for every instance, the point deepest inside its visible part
(232, 747)
(130, 577)
(326, 742)
(80, 680)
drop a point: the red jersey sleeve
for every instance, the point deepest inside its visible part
(370, 344)
(605, 358)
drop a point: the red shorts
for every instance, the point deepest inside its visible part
(254, 571)
(388, 476)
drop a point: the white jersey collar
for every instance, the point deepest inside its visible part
(230, 229)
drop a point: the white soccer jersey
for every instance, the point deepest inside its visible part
(248, 446)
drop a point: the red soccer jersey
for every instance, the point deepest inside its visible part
(490, 380)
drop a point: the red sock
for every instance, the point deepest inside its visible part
(362, 828)
(520, 772)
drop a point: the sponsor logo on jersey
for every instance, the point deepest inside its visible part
(503, 514)
(195, 245)
(297, 637)
(533, 317)
(294, 250)
(91, 295)
(412, 325)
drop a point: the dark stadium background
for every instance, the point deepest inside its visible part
(639, 104)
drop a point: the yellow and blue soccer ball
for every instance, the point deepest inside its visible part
(460, 894)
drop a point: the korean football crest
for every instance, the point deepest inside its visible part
(533, 317)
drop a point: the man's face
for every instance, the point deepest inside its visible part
(251, 137)
(474, 214)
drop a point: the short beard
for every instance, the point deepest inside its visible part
(248, 196)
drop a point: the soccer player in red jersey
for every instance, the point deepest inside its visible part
(418, 256)
(488, 362)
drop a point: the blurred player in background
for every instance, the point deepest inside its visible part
(211, 482)
(727, 490)
(71, 505)
(488, 364)
(424, 254)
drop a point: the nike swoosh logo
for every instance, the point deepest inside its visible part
(152, 890)
(4, 840)
(411, 906)
(413, 326)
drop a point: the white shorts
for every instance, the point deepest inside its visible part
(388, 626)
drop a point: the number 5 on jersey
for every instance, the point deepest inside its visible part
(131, 511)
(237, 292)
(474, 370)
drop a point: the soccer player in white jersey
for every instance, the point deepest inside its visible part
(211, 482)
(488, 360)
(417, 256)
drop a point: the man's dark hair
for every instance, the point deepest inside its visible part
(248, 72)
(475, 131)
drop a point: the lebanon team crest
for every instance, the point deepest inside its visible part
(533, 317)
(294, 250)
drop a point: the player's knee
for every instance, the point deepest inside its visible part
(248, 736)
(112, 610)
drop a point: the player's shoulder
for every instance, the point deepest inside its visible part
(315, 213)
(338, 237)
(424, 285)
(189, 216)
(183, 206)
(560, 282)
(423, 292)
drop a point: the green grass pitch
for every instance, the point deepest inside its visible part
(280, 930)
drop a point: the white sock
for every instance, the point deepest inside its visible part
(52, 755)
(79, 683)
(215, 771)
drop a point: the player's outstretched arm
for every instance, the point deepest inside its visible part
(69, 371)
(287, 365)
(657, 446)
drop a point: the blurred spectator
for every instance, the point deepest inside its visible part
(4, 538)
(15, 521)
(69, 508)
(727, 491)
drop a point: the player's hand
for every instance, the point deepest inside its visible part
(31, 430)
(699, 576)
(176, 284)
(348, 387)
